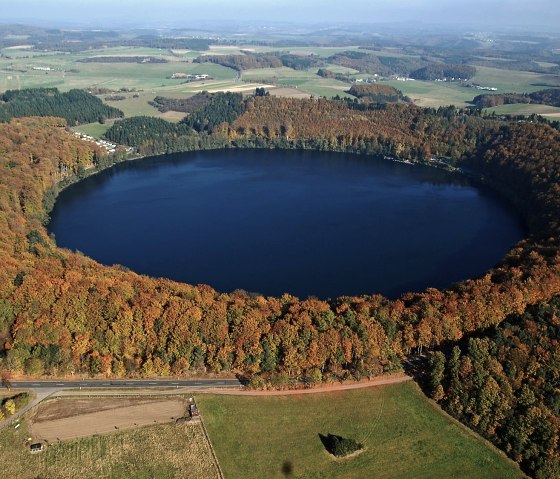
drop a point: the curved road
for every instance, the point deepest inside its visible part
(44, 389)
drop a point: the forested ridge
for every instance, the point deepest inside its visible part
(75, 106)
(550, 96)
(374, 92)
(61, 312)
(153, 136)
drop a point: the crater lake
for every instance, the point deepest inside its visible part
(284, 221)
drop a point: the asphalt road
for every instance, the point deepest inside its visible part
(126, 383)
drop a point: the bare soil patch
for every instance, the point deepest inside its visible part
(64, 419)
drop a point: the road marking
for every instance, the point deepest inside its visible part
(59, 384)
(152, 384)
(174, 384)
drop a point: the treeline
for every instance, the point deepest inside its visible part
(525, 65)
(443, 71)
(153, 41)
(550, 96)
(375, 92)
(185, 105)
(75, 106)
(249, 60)
(221, 108)
(419, 68)
(505, 386)
(84, 40)
(155, 136)
(241, 62)
(326, 73)
(402, 131)
(152, 136)
(301, 62)
(374, 64)
(111, 59)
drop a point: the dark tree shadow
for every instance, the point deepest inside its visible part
(287, 468)
(325, 440)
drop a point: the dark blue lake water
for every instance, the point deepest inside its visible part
(274, 221)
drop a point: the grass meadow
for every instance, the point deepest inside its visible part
(405, 436)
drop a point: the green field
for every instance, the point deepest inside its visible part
(304, 80)
(67, 72)
(524, 109)
(16, 71)
(405, 436)
(434, 94)
(162, 452)
(507, 81)
(96, 130)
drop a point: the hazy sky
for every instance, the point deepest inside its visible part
(484, 13)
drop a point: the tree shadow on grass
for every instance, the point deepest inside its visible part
(287, 468)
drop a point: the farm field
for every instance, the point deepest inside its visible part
(64, 419)
(305, 81)
(161, 451)
(404, 435)
(525, 109)
(435, 94)
(16, 70)
(93, 129)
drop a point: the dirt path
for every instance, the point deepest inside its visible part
(401, 378)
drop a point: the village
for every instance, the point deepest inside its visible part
(108, 146)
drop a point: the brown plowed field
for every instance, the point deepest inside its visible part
(64, 419)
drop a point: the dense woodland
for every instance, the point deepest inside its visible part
(374, 92)
(61, 312)
(186, 105)
(221, 108)
(443, 71)
(381, 65)
(75, 106)
(241, 62)
(152, 136)
(505, 386)
(550, 96)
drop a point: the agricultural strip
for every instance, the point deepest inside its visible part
(64, 419)
(162, 451)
